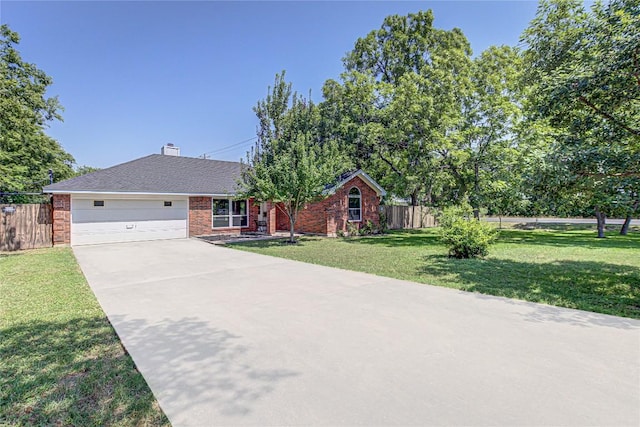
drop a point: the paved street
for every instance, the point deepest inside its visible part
(547, 220)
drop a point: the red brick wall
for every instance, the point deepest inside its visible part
(338, 213)
(254, 213)
(201, 222)
(313, 218)
(61, 219)
(282, 220)
(330, 215)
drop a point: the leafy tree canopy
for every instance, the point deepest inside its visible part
(427, 120)
(26, 152)
(290, 164)
(84, 169)
(398, 104)
(584, 70)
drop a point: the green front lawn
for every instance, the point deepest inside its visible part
(61, 362)
(567, 268)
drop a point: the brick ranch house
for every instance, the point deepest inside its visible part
(166, 196)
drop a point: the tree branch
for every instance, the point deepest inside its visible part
(636, 64)
(608, 116)
(389, 163)
(283, 210)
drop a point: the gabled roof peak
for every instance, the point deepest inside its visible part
(345, 177)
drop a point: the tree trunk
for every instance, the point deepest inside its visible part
(292, 225)
(627, 221)
(292, 232)
(413, 216)
(500, 222)
(601, 218)
(476, 191)
(428, 197)
(414, 202)
(625, 226)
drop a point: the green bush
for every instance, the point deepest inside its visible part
(359, 229)
(353, 229)
(368, 229)
(383, 222)
(465, 236)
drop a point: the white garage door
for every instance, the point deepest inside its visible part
(101, 220)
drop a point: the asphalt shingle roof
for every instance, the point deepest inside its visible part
(159, 174)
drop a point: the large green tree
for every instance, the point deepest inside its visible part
(398, 106)
(428, 121)
(290, 163)
(584, 68)
(27, 153)
(84, 170)
(484, 160)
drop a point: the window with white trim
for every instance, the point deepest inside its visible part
(355, 205)
(229, 213)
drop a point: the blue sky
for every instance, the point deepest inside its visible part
(133, 76)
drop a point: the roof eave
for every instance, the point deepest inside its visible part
(138, 193)
(365, 177)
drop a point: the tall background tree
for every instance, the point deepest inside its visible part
(27, 153)
(84, 170)
(584, 69)
(484, 160)
(291, 164)
(427, 120)
(399, 102)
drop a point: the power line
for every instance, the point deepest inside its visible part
(228, 147)
(29, 183)
(232, 145)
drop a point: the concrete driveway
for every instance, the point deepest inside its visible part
(225, 337)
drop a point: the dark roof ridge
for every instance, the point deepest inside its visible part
(159, 173)
(186, 157)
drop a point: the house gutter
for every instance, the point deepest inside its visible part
(133, 193)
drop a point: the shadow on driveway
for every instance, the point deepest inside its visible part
(204, 353)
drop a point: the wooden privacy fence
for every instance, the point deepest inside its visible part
(399, 217)
(26, 226)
